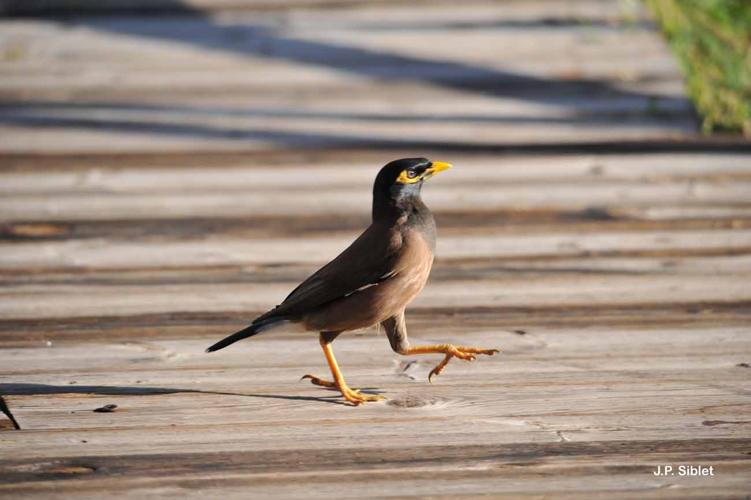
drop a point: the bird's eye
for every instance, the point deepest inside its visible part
(411, 174)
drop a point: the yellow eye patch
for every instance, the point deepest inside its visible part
(434, 168)
(404, 177)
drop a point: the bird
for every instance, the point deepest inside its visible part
(372, 281)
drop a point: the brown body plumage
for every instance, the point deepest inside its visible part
(410, 258)
(374, 279)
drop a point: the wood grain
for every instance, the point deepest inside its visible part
(164, 179)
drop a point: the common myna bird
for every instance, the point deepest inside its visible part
(373, 280)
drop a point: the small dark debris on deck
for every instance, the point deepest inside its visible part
(106, 409)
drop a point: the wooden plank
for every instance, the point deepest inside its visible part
(108, 176)
(95, 253)
(558, 368)
(456, 90)
(676, 262)
(32, 332)
(500, 478)
(582, 11)
(452, 224)
(328, 201)
(36, 301)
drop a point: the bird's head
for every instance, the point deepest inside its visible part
(401, 180)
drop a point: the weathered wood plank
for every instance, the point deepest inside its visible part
(507, 221)
(34, 301)
(655, 263)
(239, 81)
(344, 459)
(181, 325)
(580, 12)
(569, 343)
(96, 253)
(72, 206)
(488, 471)
(107, 175)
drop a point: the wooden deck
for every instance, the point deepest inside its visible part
(164, 178)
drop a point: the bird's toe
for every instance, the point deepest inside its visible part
(319, 381)
(461, 352)
(357, 398)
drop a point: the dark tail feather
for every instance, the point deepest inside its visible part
(254, 329)
(4, 408)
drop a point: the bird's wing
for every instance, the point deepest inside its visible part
(369, 260)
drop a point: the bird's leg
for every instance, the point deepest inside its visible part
(353, 396)
(324, 337)
(451, 351)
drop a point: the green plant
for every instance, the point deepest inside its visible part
(712, 38)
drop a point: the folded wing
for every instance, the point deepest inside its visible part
(369, 260)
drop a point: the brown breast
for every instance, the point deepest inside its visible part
(374, 304)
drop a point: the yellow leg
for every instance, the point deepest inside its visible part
(353, 396)
(451, 351)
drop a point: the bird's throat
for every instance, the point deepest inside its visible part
(400, 200)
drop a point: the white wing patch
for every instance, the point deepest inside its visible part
(381, 279)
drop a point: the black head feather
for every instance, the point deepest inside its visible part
(392, 196)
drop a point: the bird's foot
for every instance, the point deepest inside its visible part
(354, 396)
(461, 352)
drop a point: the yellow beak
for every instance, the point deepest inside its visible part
(435, 167)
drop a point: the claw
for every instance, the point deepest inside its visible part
(354, 396)
(357, 398)
(461, 352)
(439, 367)
(318, 381)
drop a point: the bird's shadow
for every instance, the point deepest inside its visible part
(24, 389)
